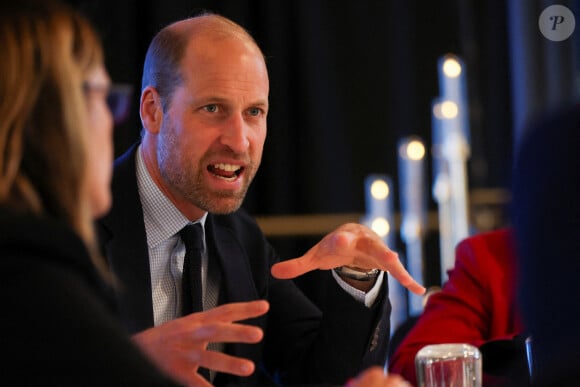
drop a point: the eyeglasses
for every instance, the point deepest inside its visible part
(118, 99)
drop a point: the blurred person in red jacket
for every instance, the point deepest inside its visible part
(477, 306)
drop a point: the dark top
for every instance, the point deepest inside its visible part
(302, 344)
(57, 325)
(546, 217)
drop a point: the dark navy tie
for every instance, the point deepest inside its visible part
(192, 300)
(192, 237)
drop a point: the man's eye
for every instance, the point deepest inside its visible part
(254, 111)
(211, 108)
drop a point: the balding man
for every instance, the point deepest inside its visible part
(204, 102)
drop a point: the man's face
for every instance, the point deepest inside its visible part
(212, 135)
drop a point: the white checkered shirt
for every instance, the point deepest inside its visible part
(163, 221)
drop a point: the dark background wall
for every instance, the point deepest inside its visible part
(348, 80)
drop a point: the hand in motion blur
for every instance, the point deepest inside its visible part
(179, 347)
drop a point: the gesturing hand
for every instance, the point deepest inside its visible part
(179, 346)
(352, 245)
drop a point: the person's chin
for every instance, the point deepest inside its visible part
(224, 206)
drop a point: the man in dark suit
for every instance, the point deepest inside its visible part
(203, 106)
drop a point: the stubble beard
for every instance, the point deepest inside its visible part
(188, 182)
(214, 201)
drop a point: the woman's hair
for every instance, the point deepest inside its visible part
(48, 49)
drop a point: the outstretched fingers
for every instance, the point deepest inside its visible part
(237, 311)
(222, 362)
(227, 333)
(397, 270)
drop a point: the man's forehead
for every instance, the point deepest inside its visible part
(233, 59)
(249, 92)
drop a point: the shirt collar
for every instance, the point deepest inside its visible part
(162, 219)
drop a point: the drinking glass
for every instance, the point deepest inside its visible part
(448, 365)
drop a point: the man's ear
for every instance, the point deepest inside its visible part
(151, 110)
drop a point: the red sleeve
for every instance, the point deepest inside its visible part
(475, 305)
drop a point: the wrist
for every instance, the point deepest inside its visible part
(357, 274)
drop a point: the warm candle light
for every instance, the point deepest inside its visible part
(379, 189)
(448, 110)
(453, 90)
(442, 191)
(411, 179)
(381, 226)
(413, 210)
(451, 139)
(451, 67)
(379, 217)
(415, 150)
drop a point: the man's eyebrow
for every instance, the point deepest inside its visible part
(211, 99)
(214, 99)
(263, 103)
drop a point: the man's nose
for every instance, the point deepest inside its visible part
(235, 133)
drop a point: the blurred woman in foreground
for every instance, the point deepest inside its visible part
(58, 327)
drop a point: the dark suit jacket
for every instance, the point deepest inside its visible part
(302, 343)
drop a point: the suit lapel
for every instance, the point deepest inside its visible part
(126, 246)
(236, 285)
(236, 278)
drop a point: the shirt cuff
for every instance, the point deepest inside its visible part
(367, 298)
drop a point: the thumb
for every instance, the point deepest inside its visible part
(291, 268)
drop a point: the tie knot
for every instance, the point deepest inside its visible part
(192, 236)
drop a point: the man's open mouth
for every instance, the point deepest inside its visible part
(227, 172)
